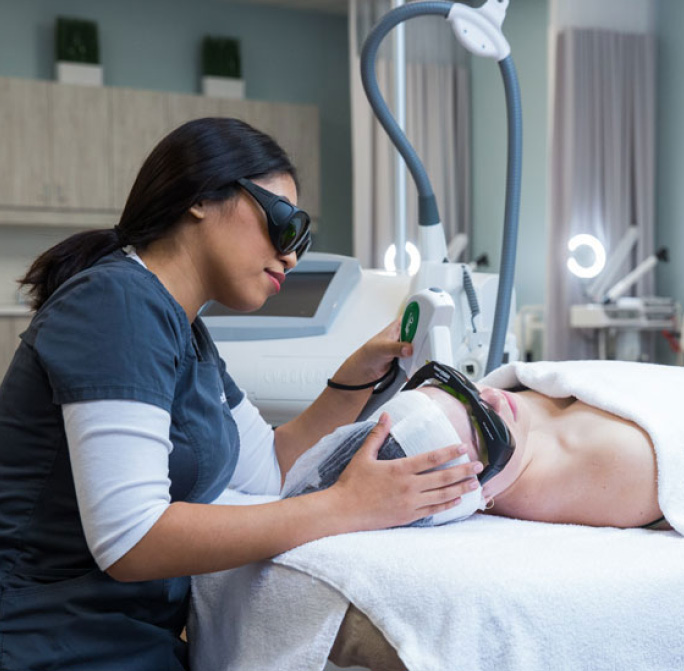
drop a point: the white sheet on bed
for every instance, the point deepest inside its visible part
(487, 593)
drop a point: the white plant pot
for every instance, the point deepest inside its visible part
(223, 87)
(79, 73)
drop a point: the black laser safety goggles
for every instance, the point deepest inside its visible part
(496, 443)
(288, 226)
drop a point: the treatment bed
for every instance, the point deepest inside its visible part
(486, 593)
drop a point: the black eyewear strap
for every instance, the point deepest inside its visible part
(498, 440)
(288, 226)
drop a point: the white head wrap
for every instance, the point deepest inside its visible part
(419, 426)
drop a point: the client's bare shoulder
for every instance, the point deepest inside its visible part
(585, 466)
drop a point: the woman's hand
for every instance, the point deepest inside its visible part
(335, 407)
(192, 538)
(381, 494)
(372, 360)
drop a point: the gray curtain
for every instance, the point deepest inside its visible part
(437, 125)
(603, 165)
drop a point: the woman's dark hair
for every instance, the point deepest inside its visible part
(200, 160)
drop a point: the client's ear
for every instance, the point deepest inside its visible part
(198, 210)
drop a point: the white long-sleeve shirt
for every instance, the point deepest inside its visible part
(119, 453)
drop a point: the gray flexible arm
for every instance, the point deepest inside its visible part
(511, 216)
(428, 213)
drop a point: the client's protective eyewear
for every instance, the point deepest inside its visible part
(288, 226)
(496, 441)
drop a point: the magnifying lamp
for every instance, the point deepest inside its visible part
(412, 253)
(597, 250)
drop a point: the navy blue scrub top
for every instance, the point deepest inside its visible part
(110, 332)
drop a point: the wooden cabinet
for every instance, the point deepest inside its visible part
(71, 153)
(24, 143)
(10, 329)
(81, 144)
(53, 146)
(139, 119)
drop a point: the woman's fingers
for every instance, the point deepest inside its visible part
(433, 489)
(427, 511)
(373, 359)
(376, 437)
(387, 345)
(395, 492)
(391, 343)
(463, 475)
(444, 488)
(449, 493)
(420, 463)
(429, 467)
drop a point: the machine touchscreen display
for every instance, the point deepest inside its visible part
(300, 296)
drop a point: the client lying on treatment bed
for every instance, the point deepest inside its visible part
(585, 445)
(547, 458)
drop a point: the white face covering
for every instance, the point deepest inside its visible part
(419, 426)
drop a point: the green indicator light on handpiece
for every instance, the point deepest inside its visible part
(409, 322)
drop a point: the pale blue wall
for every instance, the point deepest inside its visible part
(525, 28)
(301, 56)
(670, 193)
(288, 56)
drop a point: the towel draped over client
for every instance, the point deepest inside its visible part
(647, 394)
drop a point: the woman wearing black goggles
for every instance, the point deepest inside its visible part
(288, 226)
(140, 414)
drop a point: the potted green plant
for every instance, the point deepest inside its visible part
(222, 68)
(77, 52)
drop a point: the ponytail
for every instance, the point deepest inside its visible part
(200, 160)
(56, 265)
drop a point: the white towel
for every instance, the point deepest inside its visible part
(647, 394)
(261, 616)
(494, 593)
(487, 593)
